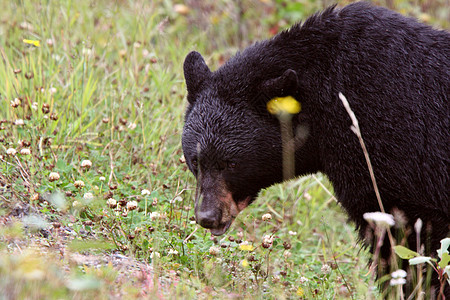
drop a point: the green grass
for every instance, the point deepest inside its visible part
(105, 84)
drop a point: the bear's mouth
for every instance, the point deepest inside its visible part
(222, 228)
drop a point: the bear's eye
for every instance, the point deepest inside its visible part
(231, 165)
(194, 163)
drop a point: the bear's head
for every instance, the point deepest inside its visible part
(231, 143)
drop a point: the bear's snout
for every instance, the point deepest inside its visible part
(209, 219)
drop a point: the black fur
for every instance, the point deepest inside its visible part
(395, 73)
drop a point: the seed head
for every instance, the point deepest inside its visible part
(326, 269)
(132, 205)
(25, 151)
(78, 184)
(86, 164)
(266, 217)
(214, 250)
(53, 176)
(11, 151)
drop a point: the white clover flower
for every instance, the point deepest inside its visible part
(76, 204)
(132, 126)
(53, 176)
(287, 254)
(326, 269)
(397, 281)
(15, 103)
(292, 232)
(102, 178)
(172, 252)
(111, 202)
(19, 122)
(155, 215)
(132, 205)
(380, 219)
(145, 192)
(303, 280)
(88, 196)
(49, 42)
(52, 90)
(34, 106)
(266, 217)
(155, 255)
(192, 222)
(25, 151)
(11, 151)
(214, 250)
(267, 239)
(78, 184)
(399, 274)
(86, 164)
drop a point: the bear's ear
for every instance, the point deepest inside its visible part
(195, 72)
(285, 85)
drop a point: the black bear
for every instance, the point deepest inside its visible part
(395, 73)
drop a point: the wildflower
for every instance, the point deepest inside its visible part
(155, 215)
(280, 105)
(380, 219)
(155, 255)
(105, 120)
(145, 192)
(214, 250)
(111, 202)
(397, 281)
(86, 164)
(15, 103)
(300, 292)
(287, 254)
(123, 53)
(132, 126)
(303, 280)
(177, 198)
(34, 106)
(53, 176)
(326, 269)
(246, 247)
(19, 122)
(32, 42)
(292, 232)
(266, 217)
(244, 263)
(445, 244)
(102, 178)
(88, 196)
(267, 241)
(155, 201)
(11, 151)
(132, 205)
(172, 252)
(25, 151)
(78, 184)
(49, 42)
(419, 260)
(52, 90)
(182, 159)
(398, 274)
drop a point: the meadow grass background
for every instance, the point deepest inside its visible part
(102, 81)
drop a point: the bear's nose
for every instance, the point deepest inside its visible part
(208, 219)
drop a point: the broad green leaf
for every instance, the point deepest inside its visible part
(404, 252)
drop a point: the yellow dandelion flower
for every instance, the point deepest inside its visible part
(32, 42)
(281, 105)
(300, 292)
(246, 247)
(244, 263)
